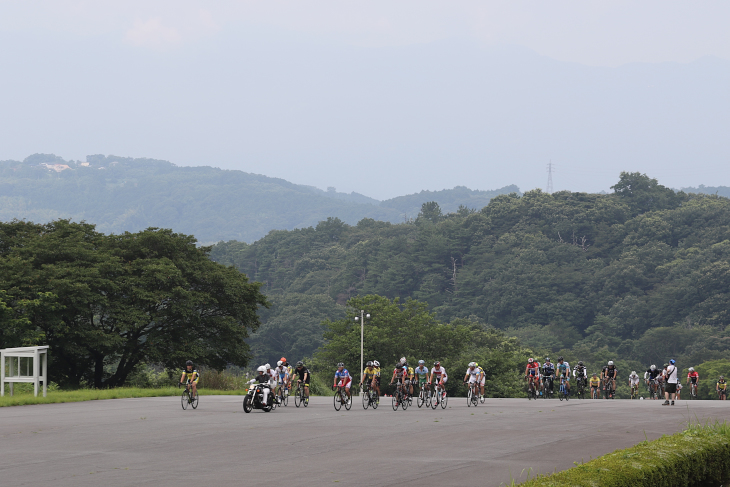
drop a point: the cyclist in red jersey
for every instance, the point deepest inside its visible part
(532, 372)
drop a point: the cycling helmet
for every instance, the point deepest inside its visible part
(398, 365)
(633, 373)
(580, 362)
(672, 362)
(369, 364)
(376, 363)
(560, 358)
(594, 374)
(471, 364)
(261, 369)
(610, 362)
(403, 360)
(691, 369)
(279, 363)
(421, 362)
(268, 366)
(666, 365)
(300, 364)
(530, 360)
(653, 367)
(437, 364)
(547, 359)
(722, 377)
(189, 362)
(283, 359)
(476, 364)
(340, 365)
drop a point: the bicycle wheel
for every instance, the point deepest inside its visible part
(194, 402)
(394, 401)
(298, 397)
(184, 400)
(338, 400)
(475, 398)
(561, 393)
(435, 400)
(405, 403)
(444, 400)
(348, 402)
(285, 399)
(421, 398)
(468, 397)
(366, 400)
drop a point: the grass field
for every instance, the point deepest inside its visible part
(26, 398)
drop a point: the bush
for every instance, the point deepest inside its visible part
(695, 457)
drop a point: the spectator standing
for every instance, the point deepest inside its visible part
(670, 379)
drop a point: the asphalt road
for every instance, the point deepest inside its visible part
(152, 441)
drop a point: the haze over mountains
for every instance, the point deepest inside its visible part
(124, 194)
(378, 121)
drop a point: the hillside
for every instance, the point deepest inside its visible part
(637, 275)
(124, 194)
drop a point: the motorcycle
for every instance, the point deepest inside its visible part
(254, 398)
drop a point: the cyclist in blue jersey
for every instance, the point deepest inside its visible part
(345, 380)
(563, 371)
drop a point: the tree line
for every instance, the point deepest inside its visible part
(107, 304)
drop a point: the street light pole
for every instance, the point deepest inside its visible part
(361, 319)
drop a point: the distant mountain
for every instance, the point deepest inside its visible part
(718, 190)
(125, 194)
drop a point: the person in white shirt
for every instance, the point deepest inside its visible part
(670, 379)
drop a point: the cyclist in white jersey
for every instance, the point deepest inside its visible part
(472, 374)
(439, 373)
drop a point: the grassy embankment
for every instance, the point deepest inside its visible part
(697, 456)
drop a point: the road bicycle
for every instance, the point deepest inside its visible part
(635, 391)
(580, 386)
(547, 388)
(472, 394)
(283, 397)
(563, 392)
(439, 397)
(424, 396)
(608, 385)
(187, 397)
(721, 394)
(693, 391)
(341, 398)
(299, 397)
(370, 397)
(531, 389)
(400, 398)
(594, 392)
(653, 386)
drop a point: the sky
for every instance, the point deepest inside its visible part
(381, 98)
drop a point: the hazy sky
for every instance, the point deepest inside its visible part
(383, 98)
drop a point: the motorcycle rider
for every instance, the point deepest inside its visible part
(265, 380)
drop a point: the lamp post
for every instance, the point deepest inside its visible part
(363, 316)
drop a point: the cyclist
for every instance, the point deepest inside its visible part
(595, 384)
(376, 367)
(694, 378)
(634, 382)
(580, 373)
(410, 379)
(609, 372)
(482, 380)
(721, 388)
(441, 377)
(532, 372)
(650, 376)
(563, 371)
(282, 377)
(303, 377)
(192, 376)
(368, 375)
(421, 374)
(548, 373)
(345, 380)
(400, 376)
(472, 374)
(289, 370)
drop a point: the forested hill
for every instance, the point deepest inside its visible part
(123, 194)
(640, 274)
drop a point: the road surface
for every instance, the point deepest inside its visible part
(153, 442)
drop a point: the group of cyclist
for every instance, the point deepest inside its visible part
(404, 376)
(279, 379)
(542, 378)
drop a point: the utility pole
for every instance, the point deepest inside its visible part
(550, 177)
(363, 316)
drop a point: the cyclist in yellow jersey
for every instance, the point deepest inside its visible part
(411, 376)
(376, 377)
(368, 375)
(192, 376)
(721, 386)
(481, 379)
(595, 383)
